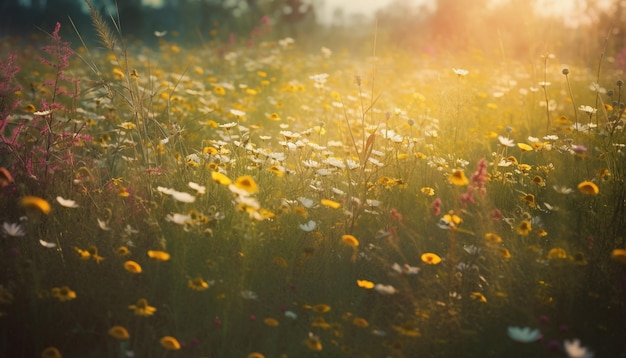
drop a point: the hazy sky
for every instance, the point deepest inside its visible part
(568, 9)
(365, 7)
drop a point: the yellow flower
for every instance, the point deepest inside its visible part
(449, 221)
(563, 121)
(619, 255)
(538, 180)
(504, 253)
(83, 254)
(428, 191)
(274, 117)
(198, 284)
(524, 167)
(452, 219)
(313, 343)
(51, 352)
(122, 251)
(524, 228)
(280, 262)
(211, 123)
(122, 191)
(128, 125)
(458, 178)
(118, 74)
(142, 308)
(301, 211)
(368, 285)
(512, 159)
(158, 255)
(478, 297)
(386, 182)
(209, 150)
(255, 355)
(603, 174)
(430, 258)
(493, 238)
(350, 240)
(524, 147)
(221, 178)
(331, 204)
(119, 332)
(36, 203)
(271, 322)
(557, 253)
(276, 170)
(407, 330)
(321, 308)
(530, 200)
(170, 343)
(63, 294)
(320, 322)
(247, 184)
(588, 187)
(491, 135)
(132, 266)
(219, 90)
(191, 163)
(360, 322)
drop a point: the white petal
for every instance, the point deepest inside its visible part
(103, 225)
(67, 202)
(183, 197)
(49, 245)
(197, 187)
(167, 191)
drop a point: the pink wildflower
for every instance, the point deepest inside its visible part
(436, 207)
(396, 215)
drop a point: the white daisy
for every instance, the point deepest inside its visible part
(405, 269)
(507, 142)
(523, 335)
(249, 295)
(460, 72)
(385, 289)
(180, 219)
(13, 229)
(309, 226)
(574, 350)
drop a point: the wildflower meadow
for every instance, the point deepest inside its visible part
(257, 199)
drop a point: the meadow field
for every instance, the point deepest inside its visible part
(253, 199)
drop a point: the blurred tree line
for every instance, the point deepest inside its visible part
(192, 20)
(506, 28)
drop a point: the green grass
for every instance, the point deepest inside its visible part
(380, 137)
